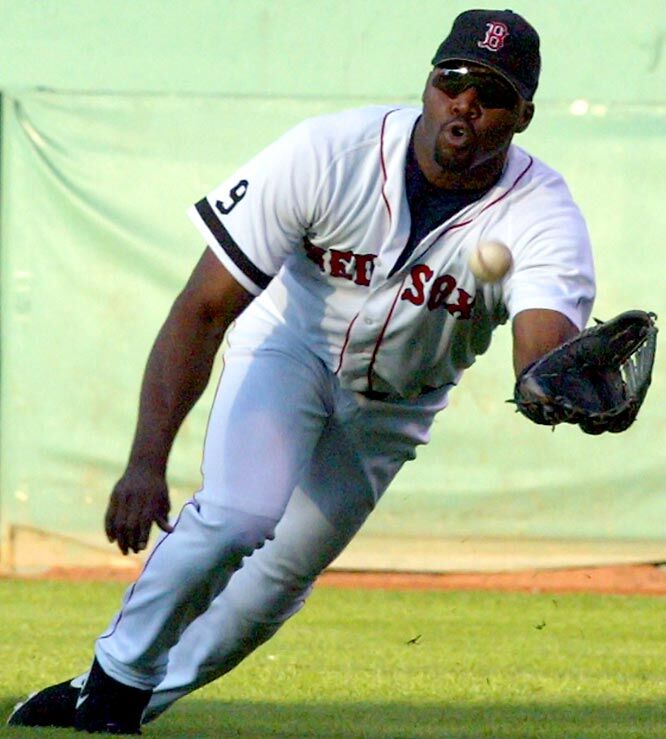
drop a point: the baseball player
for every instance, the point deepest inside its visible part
(340, 254)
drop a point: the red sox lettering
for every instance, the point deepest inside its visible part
(441, 292)
(345, 264)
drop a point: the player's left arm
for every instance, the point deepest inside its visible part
(537, 331)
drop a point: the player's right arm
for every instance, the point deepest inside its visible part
(176, 374)
(536, 332)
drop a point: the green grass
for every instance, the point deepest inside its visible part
(368, 664)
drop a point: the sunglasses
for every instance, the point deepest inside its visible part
(491, 90)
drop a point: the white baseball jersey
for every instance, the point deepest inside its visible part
(314, 225)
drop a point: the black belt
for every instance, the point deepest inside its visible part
(377, 395)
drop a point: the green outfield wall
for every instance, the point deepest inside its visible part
(117, 115)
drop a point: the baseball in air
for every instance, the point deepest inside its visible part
(490, 261)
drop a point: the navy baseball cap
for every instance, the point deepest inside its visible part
(499, 39)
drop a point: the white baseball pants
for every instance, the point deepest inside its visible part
(293, 464)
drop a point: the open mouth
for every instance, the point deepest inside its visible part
(458, 134)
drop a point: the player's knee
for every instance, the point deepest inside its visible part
(225, 535)
(268, 592)
(240, 533)
(247, 533)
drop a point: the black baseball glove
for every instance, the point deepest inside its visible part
(597, 380)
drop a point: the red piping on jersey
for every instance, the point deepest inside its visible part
(344, 346)
(485, 208)
(383, 164)
(382, 332)
(455, 225)
(515, 182)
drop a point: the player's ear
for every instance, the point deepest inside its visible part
(525, 115)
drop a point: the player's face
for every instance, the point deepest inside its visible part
(468, 121)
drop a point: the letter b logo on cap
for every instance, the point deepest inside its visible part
(495, 36)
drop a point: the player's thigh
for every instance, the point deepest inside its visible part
(371, 441)
(361, 448)
(327, 508)
(266, 419)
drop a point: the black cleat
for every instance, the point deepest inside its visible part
(106, 706)
(53, 706)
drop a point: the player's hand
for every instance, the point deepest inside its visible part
(139, 499)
